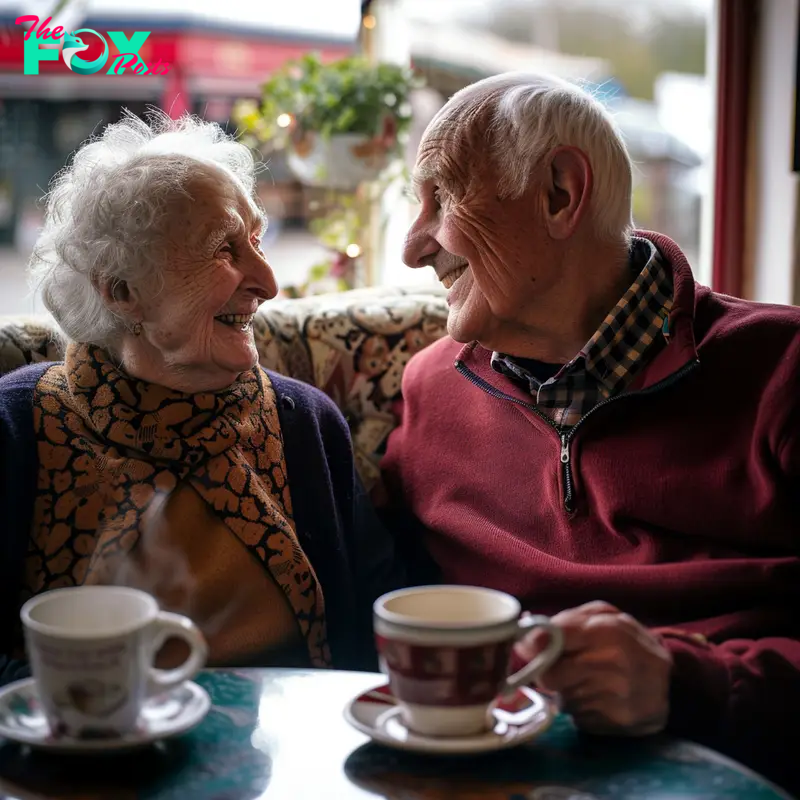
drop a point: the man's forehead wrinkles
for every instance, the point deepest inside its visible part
(434, 157)
(443, 151)
(441, 140)
(424, 172)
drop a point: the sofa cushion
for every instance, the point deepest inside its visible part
(26, 340)
(359, 344)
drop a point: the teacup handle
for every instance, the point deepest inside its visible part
(544, 660)
(170, 625)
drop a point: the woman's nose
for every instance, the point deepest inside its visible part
(261, 275)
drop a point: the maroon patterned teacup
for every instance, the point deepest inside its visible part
(446, 650)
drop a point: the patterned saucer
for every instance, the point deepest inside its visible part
(176, 711)
(518, 719)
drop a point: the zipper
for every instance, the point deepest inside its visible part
(566, 437)
(566, 472)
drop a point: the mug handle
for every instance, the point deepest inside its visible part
(176, 625)
(531, 672)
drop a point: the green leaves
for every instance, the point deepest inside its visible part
(345, 96)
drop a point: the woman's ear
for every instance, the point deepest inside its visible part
(118, 296)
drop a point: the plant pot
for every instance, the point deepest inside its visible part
(341, 162)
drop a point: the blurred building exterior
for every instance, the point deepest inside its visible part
(214, 59)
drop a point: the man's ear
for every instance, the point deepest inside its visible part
(117, 295)
(569, 186)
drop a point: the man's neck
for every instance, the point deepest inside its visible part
(581, 303)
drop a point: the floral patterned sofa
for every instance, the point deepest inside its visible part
(354, 346)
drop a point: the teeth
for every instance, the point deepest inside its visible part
(453, 276)
(245, 320)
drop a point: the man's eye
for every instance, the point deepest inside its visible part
(225, 248)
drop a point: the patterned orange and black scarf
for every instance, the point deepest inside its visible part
(109, 444)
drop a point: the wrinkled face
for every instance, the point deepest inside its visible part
(491, 253)
(197, 331)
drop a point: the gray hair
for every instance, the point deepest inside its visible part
(105, 213)
(530, 115)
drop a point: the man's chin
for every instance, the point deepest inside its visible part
(460, 329)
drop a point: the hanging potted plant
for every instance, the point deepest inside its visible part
(341, 123)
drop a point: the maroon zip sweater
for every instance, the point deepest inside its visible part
(678, 501)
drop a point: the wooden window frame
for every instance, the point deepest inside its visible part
(737, 26)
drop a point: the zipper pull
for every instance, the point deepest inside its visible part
(564, 450)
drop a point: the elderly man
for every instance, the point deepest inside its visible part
(601, 434)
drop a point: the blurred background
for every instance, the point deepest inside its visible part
(334, 96)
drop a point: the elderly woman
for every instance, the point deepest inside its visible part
(159, 454)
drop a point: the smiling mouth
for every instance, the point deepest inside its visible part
(243, 322)
(451, 277)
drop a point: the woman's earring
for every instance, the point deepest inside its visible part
(136, 330)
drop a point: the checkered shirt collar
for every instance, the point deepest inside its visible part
(637, 322)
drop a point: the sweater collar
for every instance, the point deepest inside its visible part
(682, 348)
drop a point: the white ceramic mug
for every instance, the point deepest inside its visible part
(91, 651)
(446, 650)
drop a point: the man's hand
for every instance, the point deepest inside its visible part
(613, 674)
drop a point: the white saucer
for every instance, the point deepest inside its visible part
(176, 711)
(525, 716)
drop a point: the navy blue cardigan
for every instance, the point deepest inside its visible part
(352, 553)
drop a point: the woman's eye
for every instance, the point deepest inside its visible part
(225, 248)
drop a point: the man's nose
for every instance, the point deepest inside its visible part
(420, 248)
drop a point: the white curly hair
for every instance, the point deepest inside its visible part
(105, 213)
